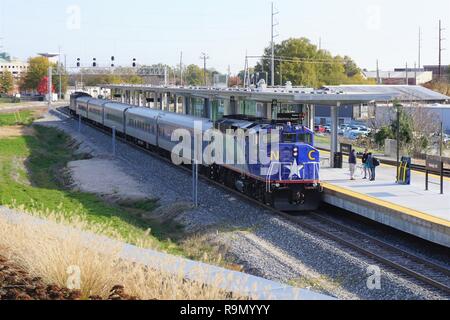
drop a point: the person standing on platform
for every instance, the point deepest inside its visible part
(371, 166)
(352, 162)
(364, 162)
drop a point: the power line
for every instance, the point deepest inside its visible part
(299, 60)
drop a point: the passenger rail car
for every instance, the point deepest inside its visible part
(289, 182)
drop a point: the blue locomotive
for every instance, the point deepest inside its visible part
(289, 181)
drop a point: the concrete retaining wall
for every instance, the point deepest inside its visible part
(433, 232)
(229, 281)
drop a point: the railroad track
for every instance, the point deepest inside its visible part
(414, 267)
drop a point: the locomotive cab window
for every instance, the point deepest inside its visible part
(305, 138)
(289, 137)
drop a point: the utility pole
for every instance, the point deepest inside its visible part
(407, 75)
(415, 74)
(204, 57)
(273, 36)
(420, 47)
(378, 73)
(441, 143)
(281, 73)
(60, 75)
(50, 86)
(181, 68)
(440, 49)
(246, 69)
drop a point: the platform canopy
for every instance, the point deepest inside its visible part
(402, 93)
(325, 96)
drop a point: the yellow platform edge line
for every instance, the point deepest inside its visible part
(386, 204)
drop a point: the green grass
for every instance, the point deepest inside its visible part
(33, 178)
(17, 118)
(47, 154)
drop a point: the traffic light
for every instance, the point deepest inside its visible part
(134, 62)
(94, 63)
(112, 61)
(78, 62)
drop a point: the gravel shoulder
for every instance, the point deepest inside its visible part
(266, 245)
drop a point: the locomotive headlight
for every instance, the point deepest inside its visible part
(295, 154)
(295, 149)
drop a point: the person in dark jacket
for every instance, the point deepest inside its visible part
(364, 162)
(371, 166)
(352, 162)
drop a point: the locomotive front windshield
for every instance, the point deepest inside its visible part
(305, 138)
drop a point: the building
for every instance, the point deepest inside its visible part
(17, 68)
(445, 71)
(435, 112)
(398, 76)
(96, 92)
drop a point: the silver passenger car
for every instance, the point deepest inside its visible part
(169, 122)
(82, 106)
(114, 116)
(95, 110)
(143, 124)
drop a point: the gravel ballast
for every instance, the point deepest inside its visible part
(266, 245)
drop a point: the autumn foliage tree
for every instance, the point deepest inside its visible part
(6, 82)
(42, 88)
(306, 64)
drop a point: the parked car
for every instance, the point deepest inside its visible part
(342, 128)
(355, 132)
(319, 129)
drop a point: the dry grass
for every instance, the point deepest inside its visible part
(53, 252)
(15, 131)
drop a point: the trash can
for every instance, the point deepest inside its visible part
(404, 174)
(338, 160)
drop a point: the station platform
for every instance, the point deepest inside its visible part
(409, 208)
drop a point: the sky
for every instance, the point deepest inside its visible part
(157, 31)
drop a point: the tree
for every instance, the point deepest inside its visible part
(234, 81)
(6, 82)
(351, 69)
(304, 64)
(406, 126)
(193, 75)
(38, 69)
(42, 88)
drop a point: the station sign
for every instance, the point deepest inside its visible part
(434, 163)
